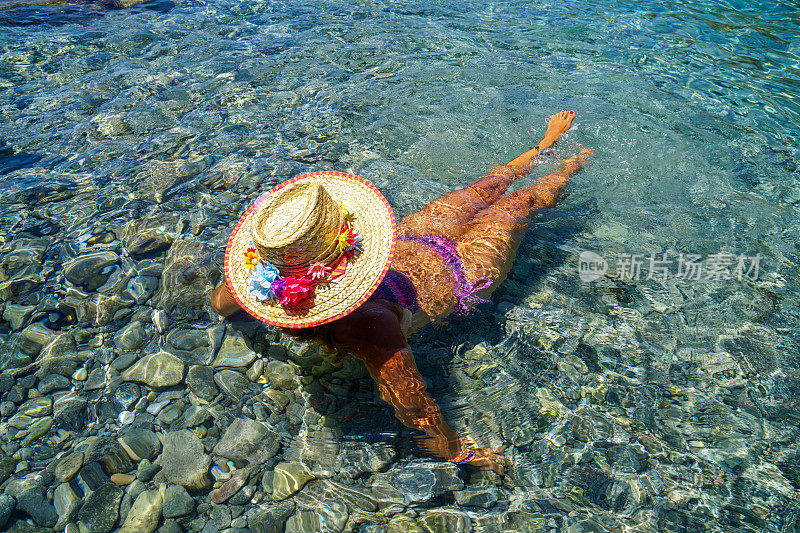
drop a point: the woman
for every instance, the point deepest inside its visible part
(322, 270)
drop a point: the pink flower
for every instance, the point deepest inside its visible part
(318, 271)
(295, 290)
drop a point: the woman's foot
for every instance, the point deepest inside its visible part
(559, 123)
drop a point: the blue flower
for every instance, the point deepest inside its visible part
(261, 281)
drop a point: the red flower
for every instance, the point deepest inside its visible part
(296, 290)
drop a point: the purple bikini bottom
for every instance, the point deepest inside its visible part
(464, 291)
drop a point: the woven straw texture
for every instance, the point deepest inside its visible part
(374, 219)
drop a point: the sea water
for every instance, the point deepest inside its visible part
(640, 363)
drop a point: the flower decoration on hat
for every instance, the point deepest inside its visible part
(267, 284)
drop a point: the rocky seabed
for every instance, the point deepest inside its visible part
(126, 406)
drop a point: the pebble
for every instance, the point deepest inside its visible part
(249, 441)
(145, 513)
(7, 504)
(160, 369)
(232, 383)
(101, 508)
(177, 502)
(140, 443)
(67, 467)
(289, 478)
(234, 352)
(200, 380)
(122, 480)
(33, 502)
(184, 461)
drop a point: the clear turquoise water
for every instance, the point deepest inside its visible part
(692, 111)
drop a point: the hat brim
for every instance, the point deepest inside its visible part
(375, 221)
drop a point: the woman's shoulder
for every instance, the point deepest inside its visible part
(377, 323)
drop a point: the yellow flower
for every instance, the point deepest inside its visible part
(250, 258)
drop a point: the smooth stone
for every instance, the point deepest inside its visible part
(194, 415)
(131, 336)
(231, 486)
(170, 414)
(34, 503)
(69, 411)
(6, 382)
(87, 269)
(20, 421)
(146, 472)
(188, 339)
(140, 443)
(281, 375)
(101, 508)
(122, 480)
(17, 315)
(177, 502)
(170, 526)
(35, 407)
(7, 504)
(36, 336)
(91, 476)
(65, 500)
(80, 375)
(140, 288)
(232, 383)
(97, 379)
(160, 369)
(52, 383)
(248, 440)
(445, 520)
(200, 380)
(289, 478)
(325, 490)
(483, 496)
(7, 409)
(67, 467)
(422, 481)
(184, 460)
(7, 467)
(145, 513)
(234, 352)
(126, 395)
(59, 357)
(109, 453)
(270, 518)
(39, 427)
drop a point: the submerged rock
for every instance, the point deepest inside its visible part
(90, 270)
(184, 460)
(177, 502)
(200, 380)
(160, 369)
(289, 478)
(101, 509)
(420, 482)
(145, 513)
(248, 440)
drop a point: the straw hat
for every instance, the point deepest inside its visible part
(311, 250)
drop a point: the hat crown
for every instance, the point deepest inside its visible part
(297, 226)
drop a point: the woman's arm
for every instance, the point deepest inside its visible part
(373, 334)
(223, 301)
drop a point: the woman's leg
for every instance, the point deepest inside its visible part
(489, 242)
(447, 215)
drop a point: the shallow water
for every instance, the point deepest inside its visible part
(641, 404)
